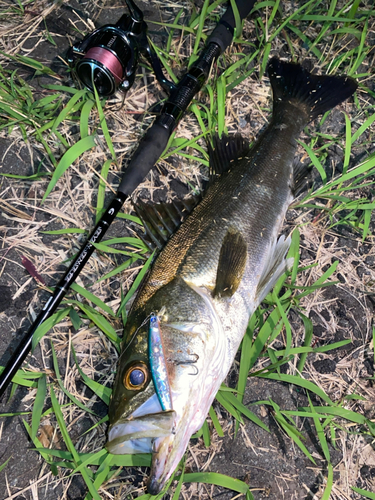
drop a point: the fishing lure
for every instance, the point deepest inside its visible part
(158, 364)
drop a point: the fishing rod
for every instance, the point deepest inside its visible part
(146, 155)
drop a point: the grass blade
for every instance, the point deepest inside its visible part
(263, 336)
(104, 393)
(68, 159)
(308, 326)
(84, 118)
(320, 432)
(228, 406)
(221, 92)
(216, 422)
(119, 269)
(38, 405)
(290, 430)
(315, 161)
(206, 434)
(348, 143)
(237, 19)
(104, 126)
(218, 479)
(341, 412)
(68, 109)
(136, 283)
(299, 381)
(101, 189)
(231, 398)
(364, 493)
(2, 466)
(70, 445)
(199, 32)
(65, 391)
(327, 491)
(102, 323)
(92, 298)
(32, 63)
(47, 325)
(176, 494)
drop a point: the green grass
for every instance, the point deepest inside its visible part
(316, 30)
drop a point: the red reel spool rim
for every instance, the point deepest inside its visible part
(108, 60)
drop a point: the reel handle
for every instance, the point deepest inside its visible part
(148, 51)
(135, 12)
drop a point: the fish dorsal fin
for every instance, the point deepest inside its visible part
(225, 151)
(232, 261)
(277, 264)
(161, 220)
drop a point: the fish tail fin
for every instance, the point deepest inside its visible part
(313, 94)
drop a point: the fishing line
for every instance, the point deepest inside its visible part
(144, 322)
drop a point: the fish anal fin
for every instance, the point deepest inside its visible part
(225, 151)
(276, 267)
(231, 266)
(161, 220)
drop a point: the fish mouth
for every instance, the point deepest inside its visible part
(149, 429)
(137, 435)
(138, 432)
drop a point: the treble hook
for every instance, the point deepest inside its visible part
(189, 362)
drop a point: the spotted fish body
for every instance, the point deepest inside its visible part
(211, 276)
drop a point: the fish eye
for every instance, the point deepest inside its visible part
(136, 377)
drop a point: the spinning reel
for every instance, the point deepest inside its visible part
(108, 57)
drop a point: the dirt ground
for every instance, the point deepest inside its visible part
(269, 462)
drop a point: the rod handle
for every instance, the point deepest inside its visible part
(146, 155)
(222, 35)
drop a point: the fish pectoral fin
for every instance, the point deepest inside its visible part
(231, 267)
(224, 152)
(276, 267)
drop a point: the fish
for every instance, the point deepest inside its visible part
(191, 312)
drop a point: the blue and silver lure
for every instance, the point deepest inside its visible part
(158, 364)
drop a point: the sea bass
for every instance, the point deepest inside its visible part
(191, 313)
